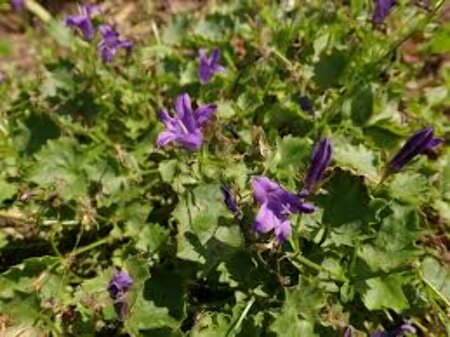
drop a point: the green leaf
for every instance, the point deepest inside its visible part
(197, 214)
(437, 275)
(362, 105)
(386, 293)
(329, 69)
(395, 244)
(347, 200)
(144, 314)
(59, 165)
(7, 190)
(410, 187)
(290, 155)
(212, 325)
(151, 237)
(357, 158)
(287, 323)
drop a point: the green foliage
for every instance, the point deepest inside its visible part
(85, 190)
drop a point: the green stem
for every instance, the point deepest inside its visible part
(435, 291)
(90, 246)
(307, 262)
(235, 327)
(38, 10)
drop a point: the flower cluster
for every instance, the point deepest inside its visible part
(118, 286)
(110, 43)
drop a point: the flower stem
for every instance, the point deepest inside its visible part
(38, 10)
(295, 259)
(235, 327)
(93, 245)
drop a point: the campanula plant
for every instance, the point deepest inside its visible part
(231, 167)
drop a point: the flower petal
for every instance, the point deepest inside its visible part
(283, 231)
(261, 187)
(192, 141)
(265, 220)
(204, 113)
(165, 138)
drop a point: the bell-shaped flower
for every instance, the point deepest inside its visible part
(420, 142)
(83, 20)
(276, 206)
(320, 159)
(185, 127)
(209, 65)
(111, 43)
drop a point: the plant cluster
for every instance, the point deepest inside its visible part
(300, 186)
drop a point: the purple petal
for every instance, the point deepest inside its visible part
(265, 220)
(165, 117)
(283, 231)
(18, 5)
(183, 105)
(215, 57)
(382, 10)
(192, 141)
(434, 143)
(261, 186)
(415, 145)
(320, 160)
(204, 113)
(164, 138)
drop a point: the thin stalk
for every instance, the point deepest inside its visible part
(307, 262)
(235, 327)
(435, 291)
(38, 10)
(93, 245)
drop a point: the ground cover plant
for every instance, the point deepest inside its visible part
(225, 168)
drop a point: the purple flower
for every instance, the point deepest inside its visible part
(276, 205)
(320, 160)
(2, 77)
(306, 105)
(18, 5)
(111, 43)
(419, 143)
(119, 284)
(209, 65)
(402, 330)
(184, 128)
(83, 21)
(230, 202)
(382, 10)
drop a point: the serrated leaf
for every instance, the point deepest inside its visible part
(437, 275)
(386, 293)
(197, 215)
(347, 200)
(59, 165)
(290, 155)
(358, 158)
